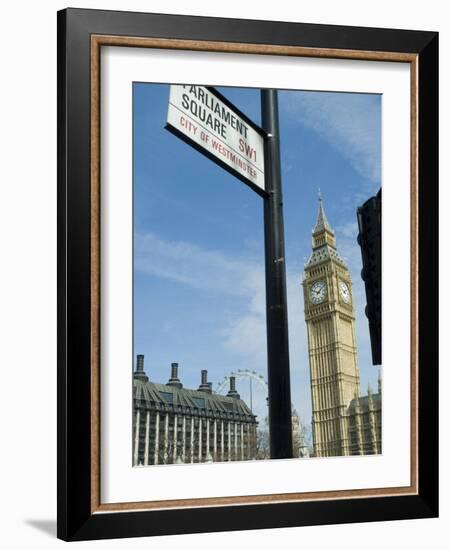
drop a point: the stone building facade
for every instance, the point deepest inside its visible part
(172, 424)
(343, 422)
(364, 423)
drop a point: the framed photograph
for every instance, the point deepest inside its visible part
(247, 255)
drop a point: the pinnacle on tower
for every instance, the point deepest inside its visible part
(357, 405)
(369, 397)
(322, 222)
(322, 233)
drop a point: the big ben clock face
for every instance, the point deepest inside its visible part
(318, 292)
(344, 291)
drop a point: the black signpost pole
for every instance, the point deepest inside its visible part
(185, 124)
(280, 415)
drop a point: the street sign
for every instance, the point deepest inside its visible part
(203, 118)
(207, 121)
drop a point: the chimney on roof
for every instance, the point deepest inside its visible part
(205, 385)
(139, 373)
(174, 380)
(232, 391)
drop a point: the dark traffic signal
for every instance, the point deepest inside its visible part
(369, 239)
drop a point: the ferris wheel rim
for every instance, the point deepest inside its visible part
(240, 374)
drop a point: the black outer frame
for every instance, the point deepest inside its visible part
(75, 521)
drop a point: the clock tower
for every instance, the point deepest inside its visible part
(330, 321)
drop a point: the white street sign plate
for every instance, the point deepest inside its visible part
(207, 121)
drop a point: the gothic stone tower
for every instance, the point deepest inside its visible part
(330, 320)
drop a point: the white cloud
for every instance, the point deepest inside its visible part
(200, 268)
(246, 336)
(192, 265)
(349, 122)
(245, 333)
(349, 230)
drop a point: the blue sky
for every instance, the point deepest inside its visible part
(199, 288)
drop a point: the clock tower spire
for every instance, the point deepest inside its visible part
(322, 232)
(330, 320)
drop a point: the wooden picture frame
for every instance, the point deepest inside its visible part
(81, 35)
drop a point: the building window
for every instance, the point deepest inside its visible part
(199, 402)
(167, 396)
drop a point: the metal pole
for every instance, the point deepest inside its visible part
(280, 420)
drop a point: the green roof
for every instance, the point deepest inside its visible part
(149, 394)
